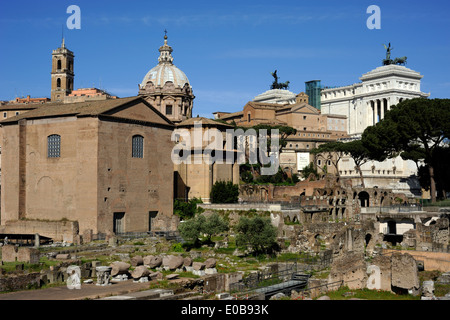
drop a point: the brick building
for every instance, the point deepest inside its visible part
(105, 164)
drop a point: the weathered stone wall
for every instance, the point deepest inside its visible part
(269, 192)
(20, 282)
(11, 253)
(379, 273)
(396, 273)
(133, 186)
(350, 269)
(404, 272)
(220, 282)
(431, 260)
(57, 230)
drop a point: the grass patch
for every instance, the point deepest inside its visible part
(344, 293)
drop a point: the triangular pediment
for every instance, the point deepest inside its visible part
(139, 110)
(305, 108)
(299, 108)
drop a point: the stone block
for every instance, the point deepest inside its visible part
(404, 272)
(172, 262)
(137, 261)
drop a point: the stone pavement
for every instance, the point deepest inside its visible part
(87, 291)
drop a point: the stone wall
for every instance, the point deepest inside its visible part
(350, 269)
(220, 282)
(396, 273)
(11, 253)
(20, 282)
(431, 260)
(57, 230)
(269, 192)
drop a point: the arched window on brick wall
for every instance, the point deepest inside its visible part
(137, 145)
(54, 146)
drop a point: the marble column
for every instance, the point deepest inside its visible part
(375, 112)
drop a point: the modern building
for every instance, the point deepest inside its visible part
(313, 90)
(88, 94)
(29, 100)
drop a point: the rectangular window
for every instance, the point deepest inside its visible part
(54, 146)
(137, 147)
(5, 114)
(169, 110)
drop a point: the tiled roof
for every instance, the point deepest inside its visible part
(205, 121)
(88, 108)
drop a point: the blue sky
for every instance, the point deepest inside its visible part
(226, 48)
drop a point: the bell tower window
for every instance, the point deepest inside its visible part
(58, 83)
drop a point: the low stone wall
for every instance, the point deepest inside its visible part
(396, 272)
(220, 282)
(57, 230)
(270, 192)
(12, 253)
(20, 282)
(432, 260)
(241, 206)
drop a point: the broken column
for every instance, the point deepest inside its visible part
(103, 275)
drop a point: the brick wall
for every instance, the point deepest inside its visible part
(11, 253)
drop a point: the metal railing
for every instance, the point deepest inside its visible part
(291, 270)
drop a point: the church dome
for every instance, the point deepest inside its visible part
(165, 71)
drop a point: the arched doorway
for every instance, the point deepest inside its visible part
(363, 198)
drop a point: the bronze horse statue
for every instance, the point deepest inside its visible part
(276, 84)
(400, 61)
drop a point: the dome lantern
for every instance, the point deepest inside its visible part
(167, 88)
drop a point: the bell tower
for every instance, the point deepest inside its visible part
(62, 73)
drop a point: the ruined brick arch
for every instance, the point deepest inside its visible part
(364, 199)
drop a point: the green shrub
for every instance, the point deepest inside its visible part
(256, 232)
(187, 209)
(191, 229)
(224, 192)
